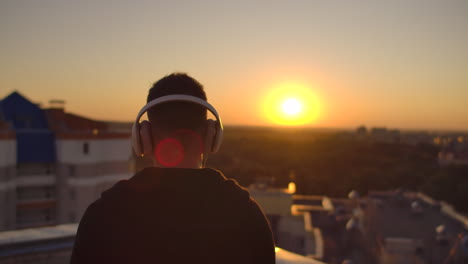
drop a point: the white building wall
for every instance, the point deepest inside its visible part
(292, 234)
(273, 201)
(7, 183)
(84, 172)
(80, 193)
(99, 150)
(7, 152)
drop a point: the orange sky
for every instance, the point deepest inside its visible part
(400, 64)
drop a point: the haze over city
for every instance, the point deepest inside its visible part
(400, 64)
(340, 131)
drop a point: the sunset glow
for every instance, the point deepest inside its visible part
(291, 105)
(399, 64)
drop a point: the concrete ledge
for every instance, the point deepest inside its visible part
(286, 257)
(445, 208)
(448, 210)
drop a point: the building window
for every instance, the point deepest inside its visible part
(7, 173)
(72, 195)
(31, 168)
(72, 217)
(48, 215)
(48, 169)
(85, 148)
(39, 216)
(71, 170)
(49, 192)
(35, 193)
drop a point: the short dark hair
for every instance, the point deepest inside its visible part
(177, 115)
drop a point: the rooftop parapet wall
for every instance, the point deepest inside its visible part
(448, 210)
(273, 201)
(32, 244)
(445, 208)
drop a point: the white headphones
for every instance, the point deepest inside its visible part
(137, 141)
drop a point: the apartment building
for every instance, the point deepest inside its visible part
(53, 164)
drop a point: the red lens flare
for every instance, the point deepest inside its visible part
(193, 136)
(169, 152)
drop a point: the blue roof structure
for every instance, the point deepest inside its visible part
(35, 146)
(35, 141)
(22, 113)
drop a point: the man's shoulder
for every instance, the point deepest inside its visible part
(108, 198)
(230, 186)
(153, 183)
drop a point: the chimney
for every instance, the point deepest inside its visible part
(57, 104)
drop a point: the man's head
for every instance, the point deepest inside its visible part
(180, 132)
(177, 115)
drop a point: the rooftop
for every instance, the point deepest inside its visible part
(17, 243)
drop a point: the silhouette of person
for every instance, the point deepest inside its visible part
(175, 210)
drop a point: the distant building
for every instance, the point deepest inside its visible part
(291, 225)
(53, 164)
(415, 139)
(383, 135)
(361, 132)
(454, 150)
(447, 157)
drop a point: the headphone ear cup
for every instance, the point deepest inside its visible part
(136, 143)
(210, 135)
(214, 135)
(146, 142)
(218, 138)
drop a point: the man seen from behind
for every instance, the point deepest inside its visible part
(175, 210)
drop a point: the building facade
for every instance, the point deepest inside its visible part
(53, 164)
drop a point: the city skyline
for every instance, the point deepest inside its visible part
(400, 64)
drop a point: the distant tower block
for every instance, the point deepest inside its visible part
(57, 104)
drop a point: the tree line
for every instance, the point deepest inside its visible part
(327, 163)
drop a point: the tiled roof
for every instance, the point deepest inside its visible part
(71, 126)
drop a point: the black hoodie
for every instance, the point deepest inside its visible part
(174, 216)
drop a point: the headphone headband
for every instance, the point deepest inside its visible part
(175, 98)
(178, 98)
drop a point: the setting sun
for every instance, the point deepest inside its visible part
(292, 105)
